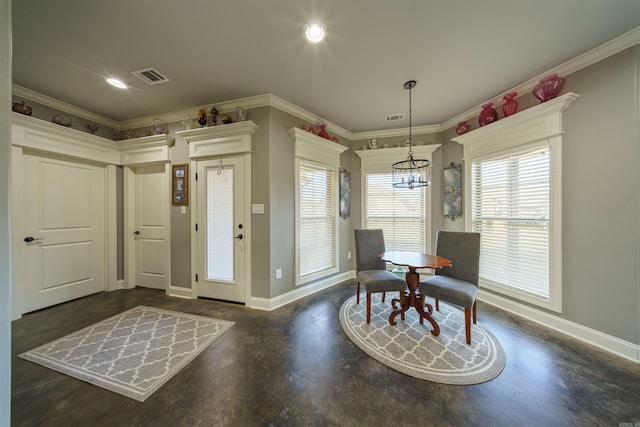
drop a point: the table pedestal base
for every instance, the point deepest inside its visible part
(412, 299)
(415, 300)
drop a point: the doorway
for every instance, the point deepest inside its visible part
(222, 228)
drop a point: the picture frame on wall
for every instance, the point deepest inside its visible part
(345, 194)
(180, 185)
(452, 191)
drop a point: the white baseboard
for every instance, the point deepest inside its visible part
(301, 292)
(179, 292)
(598, 339)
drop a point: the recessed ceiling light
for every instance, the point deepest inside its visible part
(117, 83)
(315, 32)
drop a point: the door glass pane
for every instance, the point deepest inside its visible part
(220, 227)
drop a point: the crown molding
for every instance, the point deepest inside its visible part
(22, 92)
(620, 43)
(597, 54)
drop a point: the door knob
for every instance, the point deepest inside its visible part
(30, 239)
(239, 237)
(137, 233)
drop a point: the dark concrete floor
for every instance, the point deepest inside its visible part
(295, 367)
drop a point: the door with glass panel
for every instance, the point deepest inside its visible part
(221, 229)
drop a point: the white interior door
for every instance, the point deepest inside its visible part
(221, 229)
(151, 232)
(63, 205)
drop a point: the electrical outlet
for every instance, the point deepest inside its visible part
(349, 255)
(278, 273)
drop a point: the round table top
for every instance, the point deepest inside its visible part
(415, 259)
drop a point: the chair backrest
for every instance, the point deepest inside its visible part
(463, 249)
(369, 244)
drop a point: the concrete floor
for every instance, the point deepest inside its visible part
(295, 367)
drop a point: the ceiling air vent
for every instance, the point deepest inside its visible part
(394, 118)
(150, 76)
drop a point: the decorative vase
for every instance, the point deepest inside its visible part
(549, 87)
(488, 114)
(463, 127)
(510, 105)
(202, 117)
(22, 108)
(323, 131)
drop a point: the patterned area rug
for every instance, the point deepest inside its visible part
(133, 353)
(410, 348)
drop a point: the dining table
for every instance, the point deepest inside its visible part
(412, 298)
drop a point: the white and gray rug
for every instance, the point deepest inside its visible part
(133, 353)
(409, 347)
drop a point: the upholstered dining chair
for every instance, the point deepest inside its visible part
(371, 271)
(457, 284)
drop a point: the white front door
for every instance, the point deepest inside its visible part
(222, 232)
(151, 234)
(63, 206)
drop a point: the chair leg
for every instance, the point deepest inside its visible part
(402, 304)
(384, 294)
(474, 311)
(437, 304)
(467, 324)
(368, 307)
(358, 292)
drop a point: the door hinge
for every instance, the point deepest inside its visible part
(196, 176)
(196, 277)
(196, 227)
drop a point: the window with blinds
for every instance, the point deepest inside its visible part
(399, 212)
(511, 209)
(317, 216)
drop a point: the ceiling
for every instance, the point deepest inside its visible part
(461, 52)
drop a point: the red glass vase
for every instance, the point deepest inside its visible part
(463, 127)
(510, 105)
(549, 87)
(488, 114)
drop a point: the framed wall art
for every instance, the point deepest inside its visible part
(180, 187)
(345, 194)
(452, 191)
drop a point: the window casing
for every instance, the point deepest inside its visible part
(513, 186)
(316, 164)
(317, 220)
(402, 214)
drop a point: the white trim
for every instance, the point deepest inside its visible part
(48, 137)
(300, 292)
(318, 152)
(179, 292)
(22, 92)
(234, 138)
(128, 205)
(145, 150)
(380, 160)
(590, 336)
(311, 147)
(542, 123)
(111, 229)
(591, 57)
(17, 232)
(193, 256)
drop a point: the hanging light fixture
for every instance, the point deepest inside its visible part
(412, 172)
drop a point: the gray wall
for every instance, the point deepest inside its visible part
(601, 196)
(5, 225)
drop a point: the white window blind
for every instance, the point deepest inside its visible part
(399, 212)
(317, 219)
(510, 207)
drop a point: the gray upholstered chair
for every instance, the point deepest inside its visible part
(371, 271)
(457, 284)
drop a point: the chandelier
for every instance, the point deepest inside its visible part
(412, 172)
